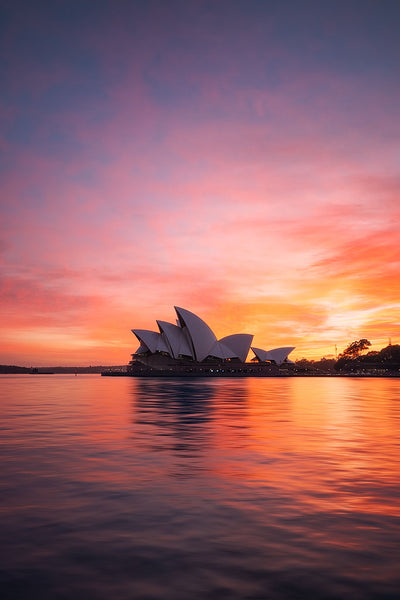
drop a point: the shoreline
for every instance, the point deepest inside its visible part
(176, 375)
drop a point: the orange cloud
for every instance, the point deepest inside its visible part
(234, 179)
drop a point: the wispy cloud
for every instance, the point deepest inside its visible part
(231, 161)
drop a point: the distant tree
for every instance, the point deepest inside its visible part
(386, 360)
(355, 348)
(303, 364)
(348, 358)
(326, 364)
(323, 365)
(390, 356)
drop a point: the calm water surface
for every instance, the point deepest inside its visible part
(116, 488)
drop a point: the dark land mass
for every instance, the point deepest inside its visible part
(13, 369)
(9, 369)
(385, 363)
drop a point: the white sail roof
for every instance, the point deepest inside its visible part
(193, 338)
(201, 336)
(239, 344)
(142, 349)
(176, 339)
(152, 339)
(220, 350)
(278, 355)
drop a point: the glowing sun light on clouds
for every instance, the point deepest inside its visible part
(238, 161)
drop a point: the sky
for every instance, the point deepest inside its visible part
(238, 158)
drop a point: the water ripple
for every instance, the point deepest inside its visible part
(236, 489)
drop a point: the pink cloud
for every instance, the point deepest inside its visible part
(256, 204)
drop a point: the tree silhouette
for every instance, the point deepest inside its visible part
(355, 348)
(385, 361)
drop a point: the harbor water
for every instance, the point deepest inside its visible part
(122, 488)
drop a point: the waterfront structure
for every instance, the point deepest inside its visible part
(191, 339)
(190, 346)
(277, 356)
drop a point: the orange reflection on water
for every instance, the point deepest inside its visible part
(252, 482)
(331, 443)
(318, 443)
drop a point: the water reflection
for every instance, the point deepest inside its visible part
(187, 400)
(172, 415)
(195, 489)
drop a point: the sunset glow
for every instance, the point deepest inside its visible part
(239, 159)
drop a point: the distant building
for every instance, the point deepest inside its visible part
(191, 342)
(277, 356)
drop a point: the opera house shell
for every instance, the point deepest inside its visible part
(190, 346)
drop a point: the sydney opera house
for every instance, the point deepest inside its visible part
(190, 347)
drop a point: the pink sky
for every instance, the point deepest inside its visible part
(237, 159)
